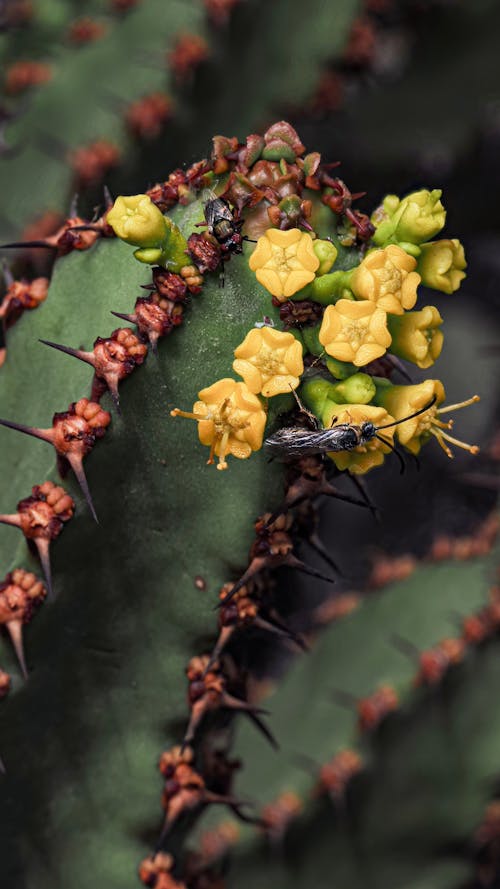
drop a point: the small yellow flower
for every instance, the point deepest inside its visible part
(441, 265)
(364, 457)
(387, 277)
(355, 331)
(416, 336)
(136, 220)
(230, 419)
(413, 219)
(284, 261)
(401, 401)
(269, 361)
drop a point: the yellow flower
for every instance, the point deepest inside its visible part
(441, 265)
(416, 336)
(355, 331)
(269, 361)
(401, 401)
(416, 218)
(387, 277)
(284, 261)
(136, 220)
(366, 456)
(230, 419)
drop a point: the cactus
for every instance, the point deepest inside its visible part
(136, 592)
(389, 739)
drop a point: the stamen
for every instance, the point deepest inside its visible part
(188, 414)
(441, 443)
(455, 407)
(222, 464)
(461, 444)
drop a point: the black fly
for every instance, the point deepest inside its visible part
(294, 442)
(224, 225)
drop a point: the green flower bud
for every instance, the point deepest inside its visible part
(150, 255)
(441, 265)
(414, 219)
(136, 220)
(317, 394)
(327, 289)
(357, 389)
(341, 370)
(326, 253)
(310, 336)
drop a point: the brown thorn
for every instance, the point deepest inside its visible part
(76, 463)
(7, 274)
(20, 245)
(124, 317)
(42, 434)
(316, 544)
(273, 626)
(14, 520)
(43, 548)
(15, 631)
(224, 637)
(197, 714)
(293, 562)
(88, 357)
(255, 566)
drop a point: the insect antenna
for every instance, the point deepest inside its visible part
(410, 416)
(394, 449)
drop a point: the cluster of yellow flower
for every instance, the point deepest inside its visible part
(367, 312)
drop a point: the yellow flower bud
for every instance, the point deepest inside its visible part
(231, 420)
(366, 456)
(355, 331)
(269, 361)
(402, 401)
(414, 219)
(387, 277)
(441, 265)
(416, 336)
(136, 220)
(284, 261)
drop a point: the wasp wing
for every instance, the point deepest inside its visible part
(294, 442)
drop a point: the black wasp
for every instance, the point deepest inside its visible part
(293, 442)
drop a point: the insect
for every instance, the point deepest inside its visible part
(292, 442)
(224, 224)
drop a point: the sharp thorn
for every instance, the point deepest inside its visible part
(316, 544)
(77, 466)
(108, 198)
(293, 562)
(7, 274)
(88, 357)
(3, 770)
(124, 317)
(11, 519)
(42, 434)
(73, 207)
(43, 547)
(224, 637)
(274, 626)
(20, 245)
(15, 631)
